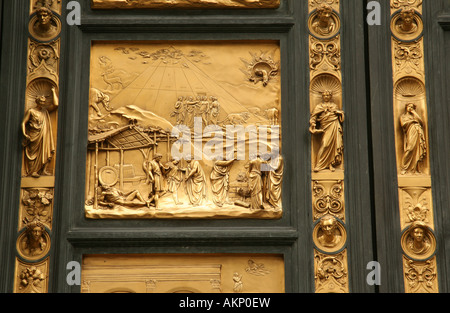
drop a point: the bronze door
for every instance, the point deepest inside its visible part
(233, 146)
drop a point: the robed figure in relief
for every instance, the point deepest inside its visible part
(174, 178)
(327, 119)
(195, 182)
(415, 146)
(220, 181)
(39, 145)
(274, 182)
(256, 182)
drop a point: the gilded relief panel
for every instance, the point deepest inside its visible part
(184, 130)
(184, 4)
(209, 273)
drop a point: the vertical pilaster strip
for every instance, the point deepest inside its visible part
(326, 128)
(412, 148)
(39, 128)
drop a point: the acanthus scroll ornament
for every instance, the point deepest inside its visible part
(331, 273)
(325, 54)
(328, 199)
(420, 277)
(395, 4)
(408, 57)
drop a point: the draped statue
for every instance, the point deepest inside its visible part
(326, 120)
(38, 144)
(415, 146)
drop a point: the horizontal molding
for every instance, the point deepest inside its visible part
(444, 20)
(186, 24)
(176, 237)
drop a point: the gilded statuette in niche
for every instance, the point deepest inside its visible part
(327, 122)
(183, 4)
(39, 145)
(415, 144)
(179, 130)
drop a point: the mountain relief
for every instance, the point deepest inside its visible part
(179, 131)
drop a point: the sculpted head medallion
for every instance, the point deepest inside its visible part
(407, 25)
(418, 241)
(44, 25)
(329, 234)
(34, 243)
(324, 23)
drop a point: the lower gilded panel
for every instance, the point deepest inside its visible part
(31, 277)
(331, 272)
(177, 273)
(420, 276)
